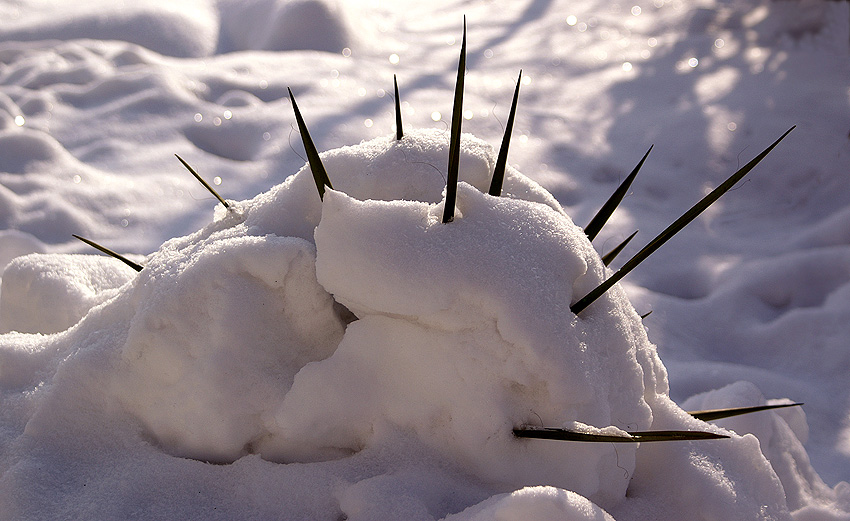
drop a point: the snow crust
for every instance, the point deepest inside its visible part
(355, 358)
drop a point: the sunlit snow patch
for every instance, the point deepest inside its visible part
(235, 342)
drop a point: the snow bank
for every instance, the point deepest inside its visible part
(356, 359)
(67, 285)
(438, 327)
(239, 340)
(781, 434)
(534, 504)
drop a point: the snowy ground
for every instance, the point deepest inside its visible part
(113, 416)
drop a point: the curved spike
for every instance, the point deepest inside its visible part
(454, 142)
(646, 314)
(320, 176)
(674, 228)
(609, 257)
(399, 133)
(125, 260)
(718, 414)
(502, 160)
(595, 225)
(198, 177)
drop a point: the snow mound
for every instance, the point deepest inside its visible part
(68, 285)
(324, 335)
(535, 504)
(782, 434)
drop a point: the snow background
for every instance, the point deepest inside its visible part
(97, 98)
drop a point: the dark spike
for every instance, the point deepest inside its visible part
(718, 414)
(646, 314)
(399, 133)
(673, 229)
(454, 142)
(320, 176)
(111, 253)
(609, 257)
(548, 433)
(595, 225)
(502, 160)
(207, 186)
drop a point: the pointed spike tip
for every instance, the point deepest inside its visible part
(125, 260)
(399, 133)
(719, 414)
(609, 257)
(204, 183)
(454, 142)
(320, 175)
(674, 228)
(502, 160)
(595, 225)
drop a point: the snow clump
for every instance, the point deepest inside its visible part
(360, 348)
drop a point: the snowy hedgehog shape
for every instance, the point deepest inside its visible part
(360, 324)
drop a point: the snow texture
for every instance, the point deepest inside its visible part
(356, 358)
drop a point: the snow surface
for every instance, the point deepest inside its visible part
(229, 378)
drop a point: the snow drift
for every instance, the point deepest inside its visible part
(356, 358)
(329, 334)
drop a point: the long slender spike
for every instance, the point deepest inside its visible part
(320, 175)
(646, 314)
(718, 414)
(207, 186)
(609, 257)
(547, 433)
(454, 143)
(673, 229)
(111, 253)
(399, 133)
(595, 225)
(502, 160)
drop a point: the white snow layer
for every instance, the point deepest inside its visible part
(228, 343)
(354, 357)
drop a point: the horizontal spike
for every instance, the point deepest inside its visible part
(673, 229)
(125, 260)
(207, 186)
(320, 176)
(646, 314)
(609, 257)
(548, 433)
(454, 141)
(718, 414)
(502, 160)
(595, 225)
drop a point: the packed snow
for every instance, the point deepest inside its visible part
(352, 356)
